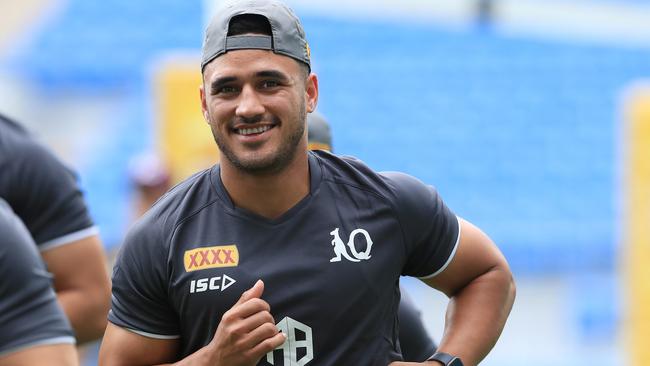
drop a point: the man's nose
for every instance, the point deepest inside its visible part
(250, 104)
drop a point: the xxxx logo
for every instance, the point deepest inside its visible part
(211, 257)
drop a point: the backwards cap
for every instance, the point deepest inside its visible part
(288, 36)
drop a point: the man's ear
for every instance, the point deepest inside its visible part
(204, 104)
(311, 92)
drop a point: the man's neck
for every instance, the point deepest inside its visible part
(269, 195)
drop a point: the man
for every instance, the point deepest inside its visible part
(277, 238)
(33, 328)
(414, 340)
(44, 194)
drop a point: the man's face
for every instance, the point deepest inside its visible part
(255, 103)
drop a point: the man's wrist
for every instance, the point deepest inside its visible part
(445, 359)
(434, 363)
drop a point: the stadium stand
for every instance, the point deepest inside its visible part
(518, 134)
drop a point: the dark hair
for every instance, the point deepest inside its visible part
(249, 23)
(258, 24)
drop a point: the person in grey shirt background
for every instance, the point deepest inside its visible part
(43, 192)
(33, 328)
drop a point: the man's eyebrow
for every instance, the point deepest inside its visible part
(220, 82)
(272, 74)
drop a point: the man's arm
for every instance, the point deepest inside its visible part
(81, 284)
(49, 355)
(481, 290)
(123, 347)
(33, 328)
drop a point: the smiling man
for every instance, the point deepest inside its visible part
(282, 256)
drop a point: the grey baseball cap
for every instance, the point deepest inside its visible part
(319, 136)
(288, 36)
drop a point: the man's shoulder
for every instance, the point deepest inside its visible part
(22, 151)
(6, 216)
(8, 125)
(12, 229)
(352, 172)
(348, 171)
(15, 140)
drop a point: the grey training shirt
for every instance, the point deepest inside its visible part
(40, 189)
(29, 312)
(331, 264)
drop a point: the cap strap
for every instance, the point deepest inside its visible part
(244, 42)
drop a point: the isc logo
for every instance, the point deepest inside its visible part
(212, 283)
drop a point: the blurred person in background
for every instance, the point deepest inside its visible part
(44, 194)
(33, 328)
(414, 340)
(240, 251)
(150, 179)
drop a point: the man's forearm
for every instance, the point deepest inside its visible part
(477, 314)
(87, 312)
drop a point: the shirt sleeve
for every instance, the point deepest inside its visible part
(44, 193)
(140, 300)
(30, 314)
(430, 229)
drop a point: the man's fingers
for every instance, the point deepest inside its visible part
(253, 292)
(269, 345)
(243, 311)
(260, 334)
(250, 323)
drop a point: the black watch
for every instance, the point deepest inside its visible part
(446, 359)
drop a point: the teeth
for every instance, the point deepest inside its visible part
(251, 131)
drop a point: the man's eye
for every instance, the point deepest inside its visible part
(224, 90)
(269, 84)
(227, 90)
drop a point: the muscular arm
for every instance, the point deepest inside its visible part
(50, 355)
(121, 347)
(481, 290)
(81, 284)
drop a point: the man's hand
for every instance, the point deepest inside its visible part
(246, 332)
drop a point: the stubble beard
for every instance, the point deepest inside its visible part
(272, 164)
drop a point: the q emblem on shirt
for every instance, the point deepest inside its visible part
(341, 248)
(211, 257)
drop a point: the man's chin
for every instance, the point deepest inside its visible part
(259, 165)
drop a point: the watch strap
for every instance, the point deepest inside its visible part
(446, 359)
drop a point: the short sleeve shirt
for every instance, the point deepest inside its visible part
(41, 190)
(29, 312)
(331, 264)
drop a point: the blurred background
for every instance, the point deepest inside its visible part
(531, 117)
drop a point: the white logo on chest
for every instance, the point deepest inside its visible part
(211, 284)
(294, 342)
(341, 249)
